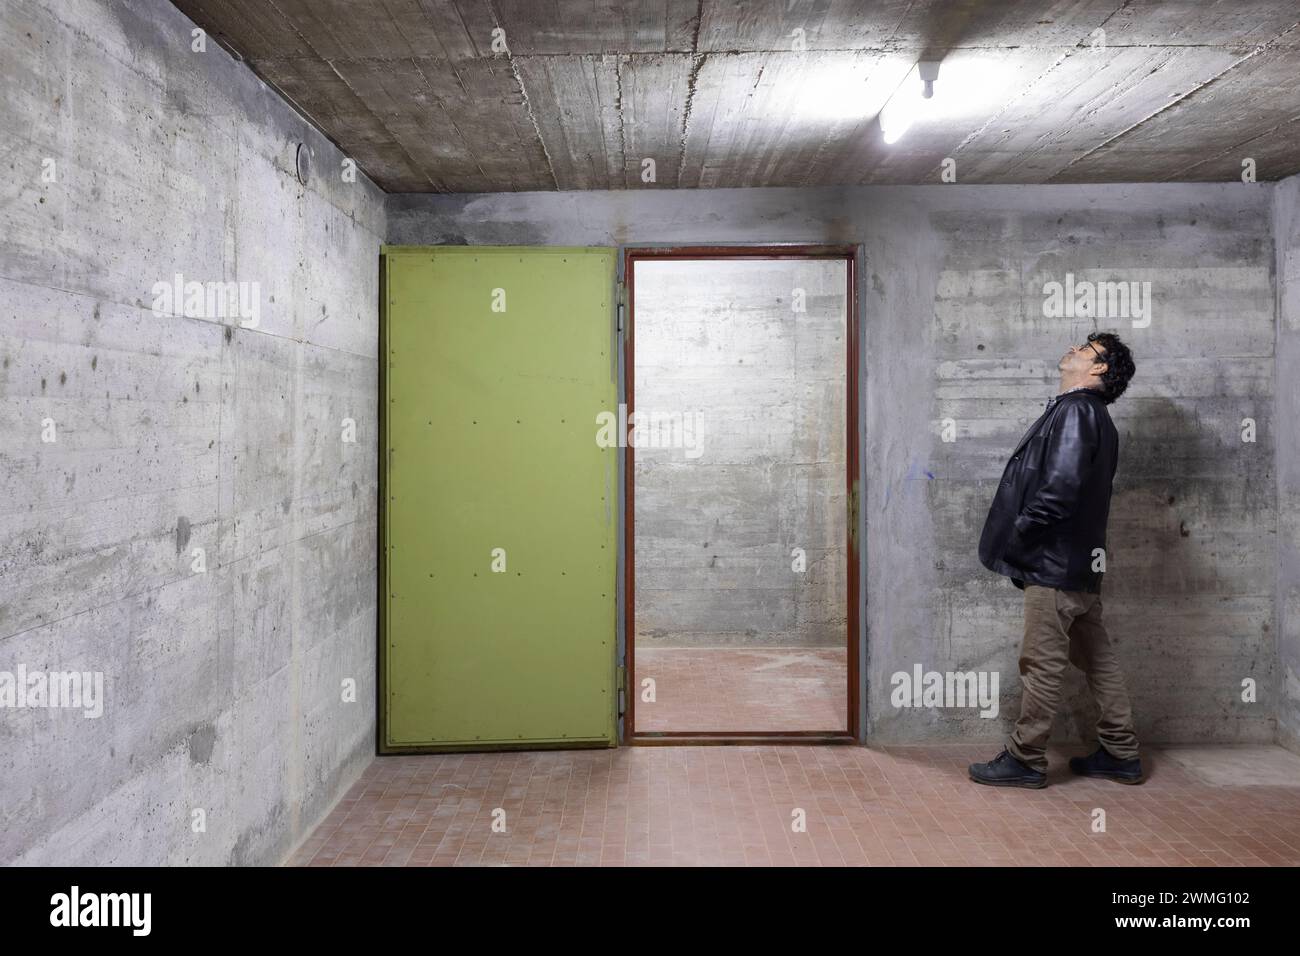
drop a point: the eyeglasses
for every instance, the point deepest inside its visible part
(1101, 356)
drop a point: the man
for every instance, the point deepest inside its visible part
(1046, 531)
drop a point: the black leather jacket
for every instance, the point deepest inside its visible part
(1049, 513)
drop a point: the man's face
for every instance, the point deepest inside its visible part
(1083, 360)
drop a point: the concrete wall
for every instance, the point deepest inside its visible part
(1286, 230)
(952, 305)
(222, 688)
(762, 387)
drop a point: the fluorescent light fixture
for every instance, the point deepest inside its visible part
(913, 99)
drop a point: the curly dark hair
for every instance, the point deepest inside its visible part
(1119, 365)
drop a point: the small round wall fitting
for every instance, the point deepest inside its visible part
(302, 163)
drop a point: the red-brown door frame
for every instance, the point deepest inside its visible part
(630, 257)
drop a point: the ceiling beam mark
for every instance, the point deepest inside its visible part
(1023, 94)
(415, 64)
(1134, 126)
(1174, 102)
(622, 120)
(1237, 147)
(1100, 93)
(434, 26)
(691, 78)
(523, 92)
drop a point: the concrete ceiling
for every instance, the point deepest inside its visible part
(715, 93)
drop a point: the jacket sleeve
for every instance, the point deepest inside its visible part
(1072, 448)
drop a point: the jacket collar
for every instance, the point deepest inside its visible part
(1051, 403)
(1070, 391)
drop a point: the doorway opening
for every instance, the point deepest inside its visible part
(741, 492)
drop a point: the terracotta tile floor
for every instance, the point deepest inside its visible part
(743, 688)
(734, 805)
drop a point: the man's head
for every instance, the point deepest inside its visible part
(1103, 362)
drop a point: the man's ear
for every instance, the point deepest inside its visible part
(1098, 369)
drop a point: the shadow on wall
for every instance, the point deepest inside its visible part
(1188, 593)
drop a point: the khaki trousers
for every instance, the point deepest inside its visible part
(1065, 626)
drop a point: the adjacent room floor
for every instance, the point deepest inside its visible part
(758, 689)
(739, 805)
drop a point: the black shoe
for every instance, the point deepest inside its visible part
(1005, 770)
(1102, 764)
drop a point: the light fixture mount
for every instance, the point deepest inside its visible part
(929, 72)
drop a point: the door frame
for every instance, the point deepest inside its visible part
(849, 254)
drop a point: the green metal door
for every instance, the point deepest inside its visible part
(500, 507)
